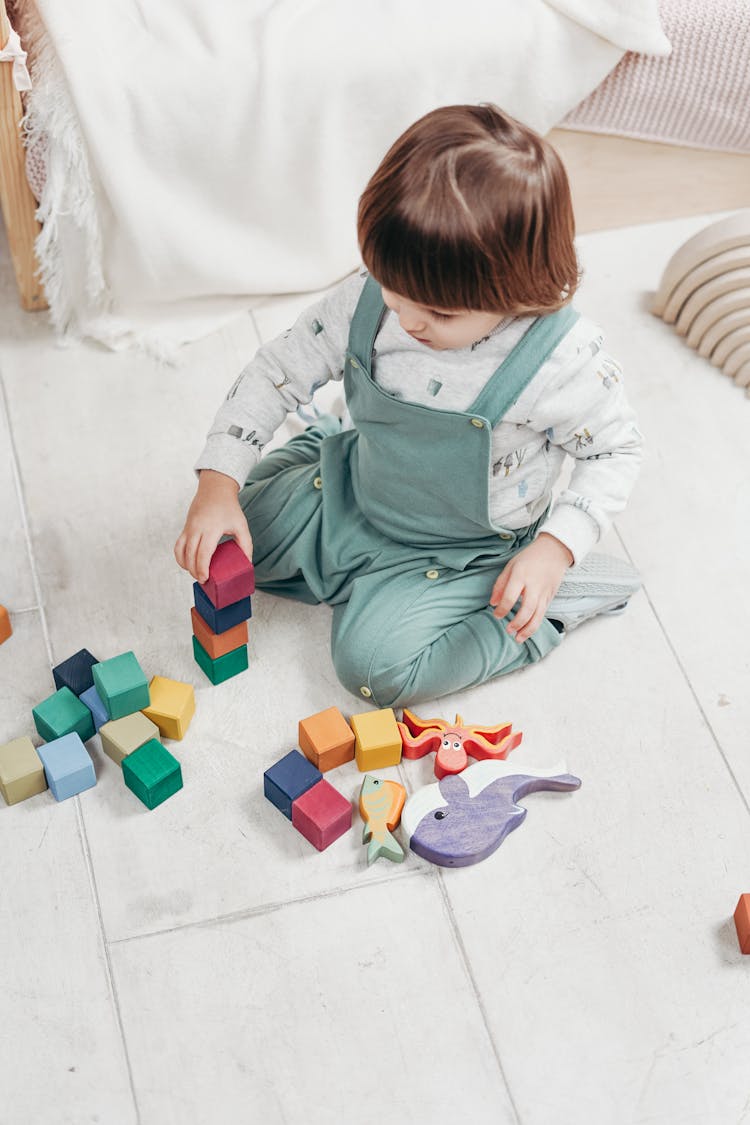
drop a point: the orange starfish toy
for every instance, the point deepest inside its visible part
(454, 743)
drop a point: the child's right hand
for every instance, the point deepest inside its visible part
(214, 512)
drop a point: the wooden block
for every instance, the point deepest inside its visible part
(121, 737)
(288, 779)
(75, 672)
(380, 805)
(218, 644)
(326, 739)
(96, 707)
(61, 714)
(121, 684)
(172, 706)
(231, 576)
(219, 620)
(67, 766)
(742, 922)
(21, 771)
(5, 626)
(322, 814)
(465, 817)
(228, 665)
(152, 773)
(377, 739)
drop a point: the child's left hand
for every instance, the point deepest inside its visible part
(533, 575)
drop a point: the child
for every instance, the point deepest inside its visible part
(468, 376)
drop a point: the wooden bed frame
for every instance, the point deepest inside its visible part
(16, 198)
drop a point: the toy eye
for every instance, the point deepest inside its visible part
(376, 781)
(446, 743)
(440, 814)
(456, 745)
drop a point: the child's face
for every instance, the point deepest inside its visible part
(441, 329)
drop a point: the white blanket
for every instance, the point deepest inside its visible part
(202, 155)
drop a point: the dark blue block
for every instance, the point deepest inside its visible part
(221, 619)
(288, 779)
(75, 672)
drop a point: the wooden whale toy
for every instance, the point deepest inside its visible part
(465, 817)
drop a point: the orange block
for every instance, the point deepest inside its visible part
(5, 626)
(218, 644)
(326, 739)
(742, 922)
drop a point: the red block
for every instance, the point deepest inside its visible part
(322, 815)
(231, 576)
(742, 922)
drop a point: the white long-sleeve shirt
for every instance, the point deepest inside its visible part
(575, 405)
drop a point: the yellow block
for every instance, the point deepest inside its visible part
(172, 706)
(377, 740)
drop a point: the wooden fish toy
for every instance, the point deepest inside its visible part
(462, 819)
(380, 803)
(454, 743)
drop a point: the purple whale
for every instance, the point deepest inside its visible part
(465, 817)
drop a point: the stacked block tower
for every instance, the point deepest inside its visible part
(221, 612)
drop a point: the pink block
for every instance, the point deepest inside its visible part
(322, 815)
(231, 576)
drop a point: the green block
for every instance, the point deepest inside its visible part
(121, 684)
(61, 714)
(226, 666)
(21, 771)
(152, 773)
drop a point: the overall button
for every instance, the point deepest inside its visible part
(318, 482)
(354, 363)
(506, 534)
(432, 574)
(365, 691)
(478, 423)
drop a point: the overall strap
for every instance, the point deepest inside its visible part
(366, 322)
(514, 374)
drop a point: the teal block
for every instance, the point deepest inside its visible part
(61, 714)
(226, 666)
(121, 684)
(152, 773)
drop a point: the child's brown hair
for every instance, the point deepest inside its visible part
(470, 209)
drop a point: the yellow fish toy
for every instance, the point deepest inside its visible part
(380, 803)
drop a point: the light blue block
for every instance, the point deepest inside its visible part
(93, 701)
(67, 766)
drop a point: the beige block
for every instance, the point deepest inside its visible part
(21, 771)
(121, 737)
(172, 706)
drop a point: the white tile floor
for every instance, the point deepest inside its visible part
(201, 963)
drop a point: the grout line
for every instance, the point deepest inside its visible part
(268, 908)
(107, 957)
(458, 938)
(83, 839)
(691, 689)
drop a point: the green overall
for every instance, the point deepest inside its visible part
(389, 523)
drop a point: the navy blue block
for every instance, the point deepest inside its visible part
(75, 672)
(288, 779)
(221, 619)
